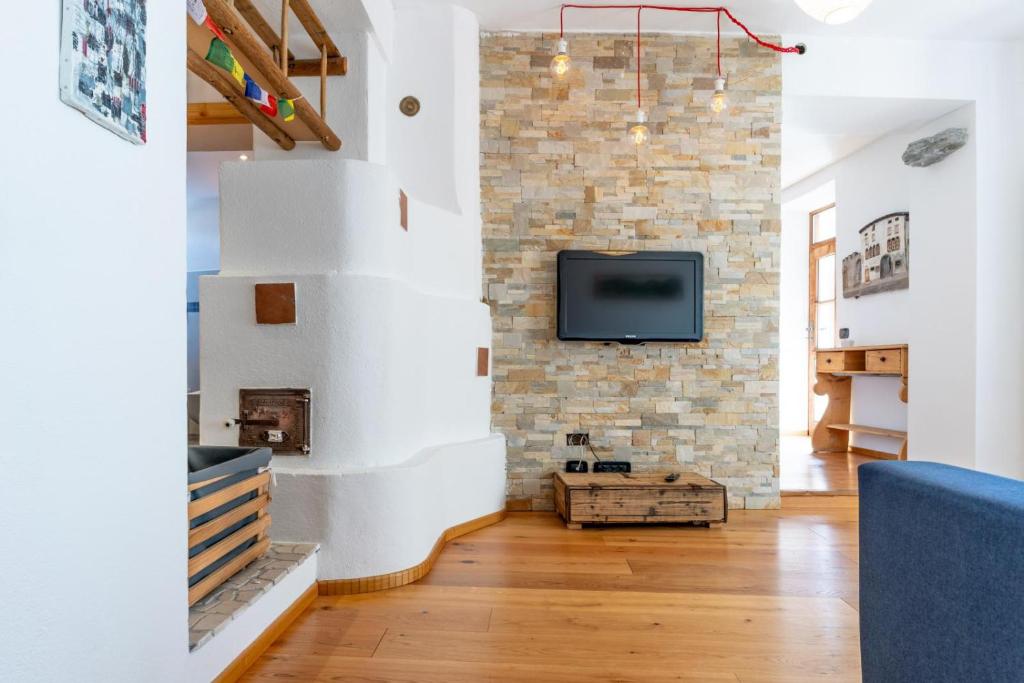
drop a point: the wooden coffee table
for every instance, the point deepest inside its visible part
(612, 498)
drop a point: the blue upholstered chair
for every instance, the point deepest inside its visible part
(941, 574)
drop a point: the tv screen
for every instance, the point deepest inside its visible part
(630, 297)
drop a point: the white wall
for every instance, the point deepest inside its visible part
(991, 75)
(203, 236)
(936, 314)
(387, 328)
(422, 148)
(203, 208)
(92, 256)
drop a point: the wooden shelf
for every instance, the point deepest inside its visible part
(864, 429)
(865, 372)
(876, 347)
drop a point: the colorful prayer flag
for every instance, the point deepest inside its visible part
(220, 55)
(287, 109)
(266, 101)
(197, 10)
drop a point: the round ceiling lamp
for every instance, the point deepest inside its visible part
(833, 11)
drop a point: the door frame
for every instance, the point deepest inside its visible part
(815, 251)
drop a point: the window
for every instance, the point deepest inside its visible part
(823, 224)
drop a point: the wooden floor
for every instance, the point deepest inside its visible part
(769, 597)
(801, 470)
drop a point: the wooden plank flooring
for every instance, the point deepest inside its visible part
(804, 471)
(769, 597)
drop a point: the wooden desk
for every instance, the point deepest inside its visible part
(836, 369)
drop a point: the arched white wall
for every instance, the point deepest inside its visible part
(434, 154)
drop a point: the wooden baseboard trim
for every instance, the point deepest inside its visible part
(369, 584)
(871, 453)
(249, 655)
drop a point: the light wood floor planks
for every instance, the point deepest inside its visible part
(804, 471)
(769, 597)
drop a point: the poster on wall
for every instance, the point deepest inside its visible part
(882, 263)
(103, 63)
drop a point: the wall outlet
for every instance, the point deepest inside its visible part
(577, 439)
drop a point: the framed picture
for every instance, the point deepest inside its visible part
(882, 263)
(103, 63)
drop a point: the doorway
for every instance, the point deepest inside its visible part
(808, 321)
(821, 299)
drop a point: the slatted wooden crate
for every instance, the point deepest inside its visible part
(233, 530)
(610, 498)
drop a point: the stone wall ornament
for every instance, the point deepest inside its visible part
(932, 150)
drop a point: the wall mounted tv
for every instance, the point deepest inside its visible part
(630, 297)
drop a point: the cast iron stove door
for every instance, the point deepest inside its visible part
(277, 418)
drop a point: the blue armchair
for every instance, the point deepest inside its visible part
(941, 574)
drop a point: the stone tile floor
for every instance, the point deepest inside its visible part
(211, 614)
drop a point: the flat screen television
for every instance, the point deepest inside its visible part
(630, 297)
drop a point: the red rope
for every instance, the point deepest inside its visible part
(669, 8)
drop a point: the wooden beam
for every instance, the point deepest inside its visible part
(245, 40)
(214, 114)
(323, 82)
(336, 66)
(227, 87)
(284, 37)
(261, 26)
(311, 22)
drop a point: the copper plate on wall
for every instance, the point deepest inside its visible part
(276, 418)
(275, 303)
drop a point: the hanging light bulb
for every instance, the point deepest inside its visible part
(833, 11)
(560, 63)
(719, 101)
(639, 134)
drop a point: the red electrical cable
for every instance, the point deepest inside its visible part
(718, 17)
(669, 8)
(638, 107)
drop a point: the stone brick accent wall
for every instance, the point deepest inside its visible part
(558, 173)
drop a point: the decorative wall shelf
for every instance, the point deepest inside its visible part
(836, 369)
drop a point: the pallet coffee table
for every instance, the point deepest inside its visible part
(613, 498)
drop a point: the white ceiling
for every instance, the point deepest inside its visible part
(922, 19)
(818, 131)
